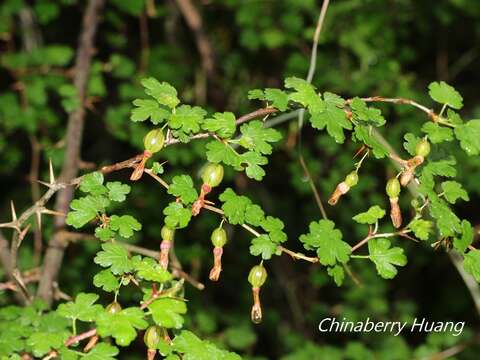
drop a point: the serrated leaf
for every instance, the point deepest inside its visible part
(262, 245)
(327, 241)
(222, 123)
(371, 216)
(277, 97)
(385, 258)
(337, 273)
(234, 206)
(42, 342)
(332, 116)
(121, 325)
(410, 143)
(465, 240)
(182, 187)
(176, 216)
(65, 354)
(187, 118)
(471, 263)
(447, 222)
(364, 114)
(254, 214)
(86, 209)
(255, 94)
(256, 137)
(104, 234)
(93, 183)
(157, 168)
(421, 228)
(254, 161)
(436, 133)
(304, 94)
(274, 227)
(167, 312)
(432, 169)
(453, 190)
(192, 348)
(106, 280)
(469, 136)
(163, 92)
(149, 109)
(117, 191)
(125, 225)
(219, 152)
(114, 256)
(364, 134)
(82, 308)
(101, 351)
(150, 270)
(443, 93)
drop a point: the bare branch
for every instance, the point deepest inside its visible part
(54, 253)
(194, 21)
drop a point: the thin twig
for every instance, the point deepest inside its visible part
(301, 113)
(316, 194)
(194, 21)
(75, 339)
(297, 255)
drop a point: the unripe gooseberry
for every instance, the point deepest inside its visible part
(114, 308)
(393, 188)
(212, 174)
(422, 148)
(152, 337)
(351, 179)
(166, 233)
(257, 276)
(154, 140)
(219, 237)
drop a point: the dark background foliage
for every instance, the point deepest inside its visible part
(393, 48)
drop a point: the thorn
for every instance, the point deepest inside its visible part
(22, 234)
(52, 212)
(14, 213)
(360, 151)
(44, 184)
(52, 175)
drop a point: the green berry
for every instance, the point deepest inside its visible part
(393, 188)
(114, 308)
(257, 276)
(422, 148)
(351, 179)
(152, 337)
(154, 140)
(219, 237)
(212, 174)
(167, 233)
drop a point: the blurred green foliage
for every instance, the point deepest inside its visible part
(392, 48)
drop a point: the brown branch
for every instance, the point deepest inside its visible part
(426, 110)
(256, 114)
(30, 276)
(75, 339)
(35, 186)
(5, 260)
(129, 163)
(194, 22)
(316, 194)
(247, 117)
(298, 256)
(54, 254)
